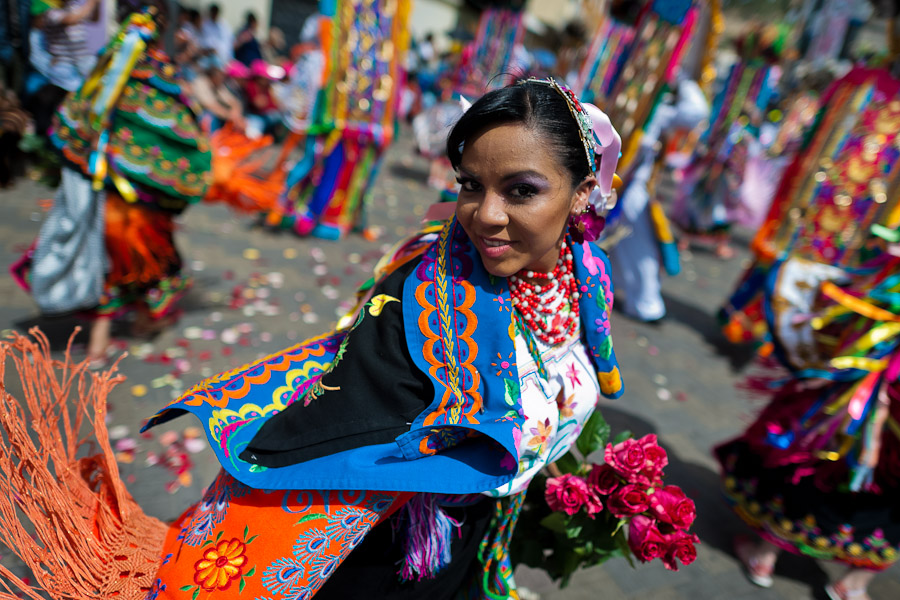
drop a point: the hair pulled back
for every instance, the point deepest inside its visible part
(537, 106)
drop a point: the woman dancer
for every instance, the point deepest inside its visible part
(816, 474)
(134, 157)
(468, 367)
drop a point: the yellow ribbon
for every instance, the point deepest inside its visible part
(126, 190)
(875, 336)
(859, 362)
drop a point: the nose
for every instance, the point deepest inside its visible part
(492, 211)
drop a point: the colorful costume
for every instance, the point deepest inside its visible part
(710, 188)
(441, 409)
(833, 230)
(630, 73)
(354, 121)
(134, 157)
(817, 472)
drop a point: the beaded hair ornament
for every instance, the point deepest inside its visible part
(600, 139)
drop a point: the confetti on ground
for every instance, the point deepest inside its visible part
(139, 390)
(229, 336)
(664, 394)
(290, 253)
(195, 445)
(251, 254)
(660, 379)
(118, 432)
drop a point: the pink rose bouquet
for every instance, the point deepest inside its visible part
(593, 512)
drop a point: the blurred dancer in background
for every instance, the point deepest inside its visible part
(134, 157)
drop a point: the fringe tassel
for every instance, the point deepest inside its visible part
(65, 514)
(427, 545)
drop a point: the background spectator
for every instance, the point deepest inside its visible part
(246, 46)
(215, 35)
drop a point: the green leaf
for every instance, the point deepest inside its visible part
(567, 463)
(246, 531)
(511, 390)
(621, 437)
(622, 543)
(573, 531)
(251, 572)
(311, 517)
(196, 593)
(594, 435)
(206, 543)
(219, 535)
(253, 538)
(600, 296)
(186, 588)
(242, 586)
(555, 522)
(606, 347)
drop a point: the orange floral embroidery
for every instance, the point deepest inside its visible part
(540, 433)
(220, 565)
(566, 406)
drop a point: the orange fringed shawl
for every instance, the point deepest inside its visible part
(70, 519)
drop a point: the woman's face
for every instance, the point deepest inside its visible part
(516, 198)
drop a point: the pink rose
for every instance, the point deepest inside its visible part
(627, 458)
(645, 540)
(638, 461)
(671, 505)
(681, 547)
(627, 501)
(593, 504)
(603, 479)
(655, 459)
(567, 493)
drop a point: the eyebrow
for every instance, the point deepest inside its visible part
(516, 175)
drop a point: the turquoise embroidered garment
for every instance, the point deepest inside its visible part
(456, 321)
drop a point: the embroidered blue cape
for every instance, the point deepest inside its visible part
(458, 325)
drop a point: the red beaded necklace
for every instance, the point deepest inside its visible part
(540, 303)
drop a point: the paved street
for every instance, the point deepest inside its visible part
(256, 292)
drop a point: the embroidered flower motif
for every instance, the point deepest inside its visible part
(220, 565)
(540, 433)
(503, 305)
(504, 365)
(376, 304)
(565, 408)
(602, 323)
(586, 287)
(572, 374)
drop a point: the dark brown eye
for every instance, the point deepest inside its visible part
(523, 190)
(468, 185)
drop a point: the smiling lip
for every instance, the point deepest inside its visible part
(493, 247)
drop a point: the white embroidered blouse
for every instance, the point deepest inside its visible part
(555, 409)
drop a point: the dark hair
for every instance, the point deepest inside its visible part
(214, 10)
(250, 17)
(537, 106)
